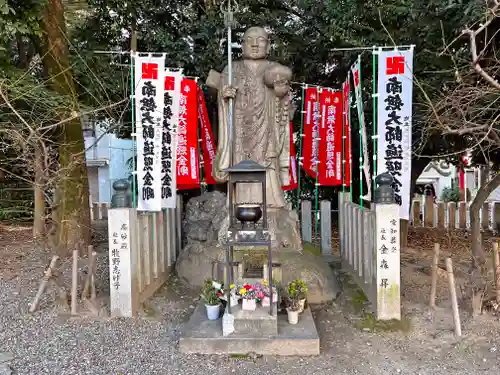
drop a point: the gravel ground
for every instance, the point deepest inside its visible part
(48, 343)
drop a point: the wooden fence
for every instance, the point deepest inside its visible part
(99, 211)
(143, 248)
(451, 215)
(308, 221)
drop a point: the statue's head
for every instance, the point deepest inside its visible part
(255, 43)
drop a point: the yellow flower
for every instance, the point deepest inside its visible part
(243, 291)
(264, 282)
(231, 286)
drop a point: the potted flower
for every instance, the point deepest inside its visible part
(292, 309)
(266, 294)
(232, 293)
(298, 289)
(210, 295)
(249, 295)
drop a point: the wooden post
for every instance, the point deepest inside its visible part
(326, 228)
(306, 221)
(47, 275)
(417, 210)
(429, 212)
(462, 215)
(435, 261)
(453, 297)
(441, 212)
(452, 215)
(496, 269)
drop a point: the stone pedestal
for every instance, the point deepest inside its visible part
(256, 323)
(205, 336)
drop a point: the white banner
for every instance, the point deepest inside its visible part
(358, 93)
(149, 104)
(394, 117)
(173, 80)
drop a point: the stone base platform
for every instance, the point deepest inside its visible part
(203, 336)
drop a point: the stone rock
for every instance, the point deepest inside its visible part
(5, 369)
(204, 216)
(205, 225)
(314, 270)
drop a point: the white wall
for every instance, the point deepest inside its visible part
(111, 153)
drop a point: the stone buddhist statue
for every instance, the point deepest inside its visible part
(261, 130)
(262, 111)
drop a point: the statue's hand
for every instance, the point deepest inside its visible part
(228, 92)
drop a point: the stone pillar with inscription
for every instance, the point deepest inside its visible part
(388, 250)
(124, 298)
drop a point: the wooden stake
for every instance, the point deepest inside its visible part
(453, 296)
(93, 293)
(74, 282)
(496, 269)
(89, 281)
(47, 275)
(435, 261)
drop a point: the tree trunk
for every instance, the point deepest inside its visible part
(478, 271)
(478, 253)
(39, 197)
(72, 212)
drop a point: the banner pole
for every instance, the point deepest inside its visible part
(299, 169)
(344, 112)
(134, 143)
(349, 133)
(374, 121)
(316, 184)
(360, 120)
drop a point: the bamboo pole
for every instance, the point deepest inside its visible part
(46, 277)
(435, 261)
(496, 269)
(89, 281)
(453, 296)
(74, 282)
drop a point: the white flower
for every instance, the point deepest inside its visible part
(216, 285)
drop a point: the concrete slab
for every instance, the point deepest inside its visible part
(203, 336)
(258, 322)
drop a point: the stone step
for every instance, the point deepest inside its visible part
(204, 336)
(257, 323)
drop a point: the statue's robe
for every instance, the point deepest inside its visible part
(260, 132)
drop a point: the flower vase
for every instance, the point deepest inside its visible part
(234, 300)
(249, 304)
(302, 304)
(293, 316)
(266, 301)
(213, 312)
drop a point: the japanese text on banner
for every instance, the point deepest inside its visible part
(395, 87)
(207, 139)
(188, 176)
(330, 146)
(169, 144)
(149, 105)
(293, 182)
(311, 131)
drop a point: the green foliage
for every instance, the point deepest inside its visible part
(209, 294)
(297, 290)
(450, 194)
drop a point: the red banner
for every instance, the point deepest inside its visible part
(330, 133)
(293, 182)
(346, 157)
(188, 176)
(311, 131)
(207, 139)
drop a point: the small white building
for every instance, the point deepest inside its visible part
(107, 161)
